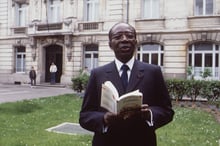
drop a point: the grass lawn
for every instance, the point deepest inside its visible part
(190, 128)
(23, 124)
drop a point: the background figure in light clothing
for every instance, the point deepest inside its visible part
(53, 70)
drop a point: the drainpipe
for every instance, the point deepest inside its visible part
(127, 11)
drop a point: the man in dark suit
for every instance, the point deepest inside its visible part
(138, 129)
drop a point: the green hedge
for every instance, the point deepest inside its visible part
(178, 88)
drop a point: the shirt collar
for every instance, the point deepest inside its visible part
(130, 63)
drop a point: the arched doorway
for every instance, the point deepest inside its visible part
(54, 53)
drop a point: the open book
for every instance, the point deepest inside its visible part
(111, 101)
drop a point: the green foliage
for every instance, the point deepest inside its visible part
(206, 73)
(189, 72)
(193, 89)
(80, 82)
(211, 90)
(176, 88)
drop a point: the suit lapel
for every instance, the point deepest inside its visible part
(113, 76)
(137, 74)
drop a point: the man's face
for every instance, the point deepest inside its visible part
(123, 42)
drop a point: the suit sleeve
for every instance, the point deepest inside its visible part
(162, 109)
(91, 114)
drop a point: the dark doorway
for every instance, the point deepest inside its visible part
(54, 54)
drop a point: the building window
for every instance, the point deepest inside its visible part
(20, 14)
(91, 56)
(20, 59)
(203, 56)
(150, 9)
(203, 7)
(53, 13)
(151, 53)
(91, 10)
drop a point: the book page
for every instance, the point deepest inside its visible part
(129, 101)
(108, 100)
(112, 88)
(132, 93)
(115, 104)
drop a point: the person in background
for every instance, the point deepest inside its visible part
(138, 129)
(85, 71)
(53, 70)
(32, 76)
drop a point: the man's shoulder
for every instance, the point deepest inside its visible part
(145, 64)
(108, 65)
(105, 67)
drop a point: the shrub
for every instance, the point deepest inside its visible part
(214, 90)
(190, 72)
(206, 73)
(177, 88)
(193, 89)
(80, 82)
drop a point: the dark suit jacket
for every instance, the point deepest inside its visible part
(133, 132)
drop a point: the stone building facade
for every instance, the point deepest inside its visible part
(176, 35)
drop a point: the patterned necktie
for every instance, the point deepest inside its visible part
(124, 75)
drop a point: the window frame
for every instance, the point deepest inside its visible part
(204, 6)
(92, 61)
(54, 11)
(20, 14)
(214, 52)
(93, 13)
(159, 52)
(20, 53)
(153, 10)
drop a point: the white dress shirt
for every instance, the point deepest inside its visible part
(130, 64)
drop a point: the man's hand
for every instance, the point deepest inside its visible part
(145, 112)
(110, 118)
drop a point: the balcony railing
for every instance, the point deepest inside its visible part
(150, 24)
(19, 30)
(203, 21)
(52, 26)
(39, 28)
(90, 26)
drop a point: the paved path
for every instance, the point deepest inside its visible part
(69, 128)
(12, 93)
